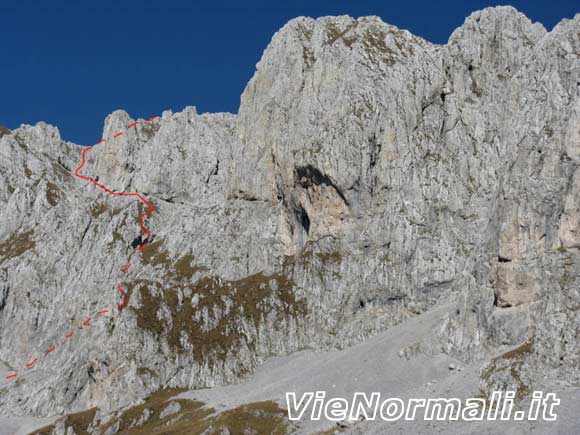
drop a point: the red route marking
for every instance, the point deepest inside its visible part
(150, 208)
(122, 304)
(147, 213)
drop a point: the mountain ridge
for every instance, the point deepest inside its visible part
(368, 177)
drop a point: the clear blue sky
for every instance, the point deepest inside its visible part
(70, 63)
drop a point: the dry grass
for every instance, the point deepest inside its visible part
(53, 194)
(16, 245)
(4, 131)
(193, 418)
(229, 304)
(255, 418)
(98, 209)
(334, 34)
(513, 361)
(78, 422)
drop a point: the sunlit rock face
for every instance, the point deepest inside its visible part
(368, 176)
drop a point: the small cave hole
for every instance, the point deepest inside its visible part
(137, 241)
(304, 220)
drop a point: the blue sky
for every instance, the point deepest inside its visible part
(70, 63)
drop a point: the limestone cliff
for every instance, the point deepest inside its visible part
(368, 176)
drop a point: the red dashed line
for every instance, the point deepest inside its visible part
(121, 305)
(142, 216)
(147, 213)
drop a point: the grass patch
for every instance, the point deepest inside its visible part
(98, 209)
(333, 34)
(181, 269)
(4, 131)
(375, 46)
(255, 418)
(153, 255)
(226, 305)
(513, 361)
(16, 245)
(191, 418)
(78, 422)
(53, 194)
(333, 257)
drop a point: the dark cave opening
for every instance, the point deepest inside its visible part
(304, 220)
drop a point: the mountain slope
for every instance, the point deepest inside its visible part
(368, 177)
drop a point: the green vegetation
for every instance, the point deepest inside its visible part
(4, 131)
(16, 245)
(78, 422)
(255, 418)
(179, 270)
(308, 57)
(183, 268)
(153, 255)
(229, 304)
(375, 46)
(333, 257)
(98, 209)
(513, 361)
(334, 34)
(193, 418)
(326, 258)
(53, 194)
(148, 130)
(61, 171)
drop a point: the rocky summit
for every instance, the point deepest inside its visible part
(371, 182)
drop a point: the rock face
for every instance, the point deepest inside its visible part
(368, 176)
